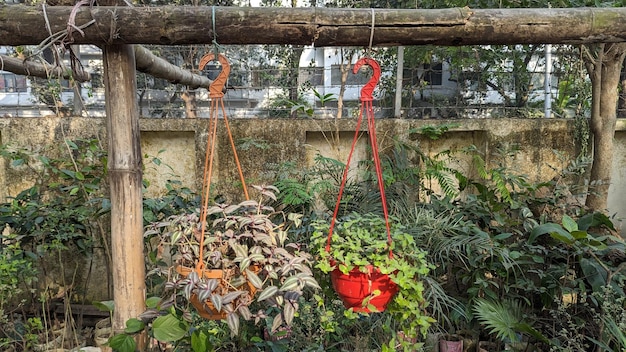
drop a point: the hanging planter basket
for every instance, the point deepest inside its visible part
(206, 309)
(364, 291)
(370, 290)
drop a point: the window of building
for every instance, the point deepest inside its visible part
(358, 79)
(269, 77)
(431, 74)
(11, 83)
(96, 80)
(313, 76)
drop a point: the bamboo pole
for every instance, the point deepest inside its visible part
(125, 178)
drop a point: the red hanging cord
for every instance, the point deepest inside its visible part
(367, 106)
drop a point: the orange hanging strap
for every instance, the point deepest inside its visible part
(216, 93)
(367, 106)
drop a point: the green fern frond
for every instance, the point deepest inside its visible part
(448, 184)
(480, 165)
(500, 184)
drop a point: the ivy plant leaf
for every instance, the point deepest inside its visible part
(176, 235)
(278, 321)
(296, 218)
(249, 203)
(204, 294)
(212, 284)
(240, 251)
(188, 290)
(245, 263)
(311, 282)
(169, 328)
(122, 343)
(134, 325)
(231, 209)
(256, 257)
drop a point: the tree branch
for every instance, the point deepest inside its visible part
(145, 62)
(37, 69)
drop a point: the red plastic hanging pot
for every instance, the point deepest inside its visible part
(357, 289)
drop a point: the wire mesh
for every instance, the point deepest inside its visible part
(285, 82)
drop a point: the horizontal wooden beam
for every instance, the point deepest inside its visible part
(182, 25)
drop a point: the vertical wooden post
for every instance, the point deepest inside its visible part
(125, 175)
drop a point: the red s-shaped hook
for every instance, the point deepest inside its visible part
(368, 88)
(216, 89)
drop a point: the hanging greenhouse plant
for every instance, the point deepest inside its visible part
(228, 256)
(364, 273)
(374, 264)
(244, 257)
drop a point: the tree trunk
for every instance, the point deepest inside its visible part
(189, 97)
(604, 70)
(183, 25)
(157, 67)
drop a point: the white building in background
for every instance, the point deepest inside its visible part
(431, 88)
(17, 96)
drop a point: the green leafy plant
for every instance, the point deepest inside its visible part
(360, 241)
(248, 243)
(505, 320)
(324, 98)
(67, 199)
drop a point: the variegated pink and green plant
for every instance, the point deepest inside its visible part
(249, 242)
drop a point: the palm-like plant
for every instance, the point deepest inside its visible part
(506, 320)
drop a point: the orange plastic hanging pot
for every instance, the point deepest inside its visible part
(360, 290)
(206, 309)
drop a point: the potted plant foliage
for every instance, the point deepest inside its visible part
(245, 258)
(359, 247)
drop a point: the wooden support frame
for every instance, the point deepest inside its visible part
(125, 182)
(183, 25)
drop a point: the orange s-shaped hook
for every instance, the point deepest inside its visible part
(216, 89)
(368, 88)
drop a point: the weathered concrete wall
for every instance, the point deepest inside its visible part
(181, 144)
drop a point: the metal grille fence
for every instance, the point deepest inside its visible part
(281, 81)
